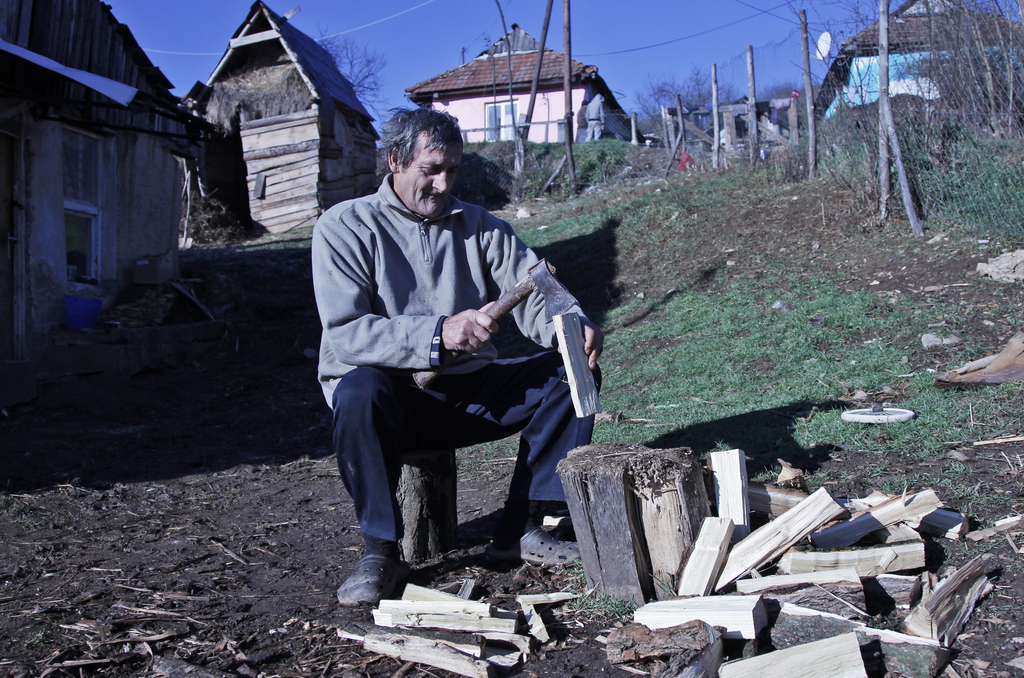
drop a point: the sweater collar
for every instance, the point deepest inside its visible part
(387, 194)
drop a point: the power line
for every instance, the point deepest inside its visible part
(688, 37)
(767, 11)
(160, 51)
(373, 23)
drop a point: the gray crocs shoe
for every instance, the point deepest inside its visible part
(539, 548)
(374, 577)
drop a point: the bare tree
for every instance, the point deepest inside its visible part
(694, 90)
(362, 66)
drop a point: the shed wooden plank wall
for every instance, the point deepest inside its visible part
(84, 34)
(286, 151)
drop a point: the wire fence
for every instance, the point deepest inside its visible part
(957, 98)
(956, 77)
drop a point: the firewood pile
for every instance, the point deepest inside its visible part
(797, 594)
(451, 632)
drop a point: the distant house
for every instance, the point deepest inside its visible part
(477, 93)
(90, 182)
(936, 50)
(295, 138)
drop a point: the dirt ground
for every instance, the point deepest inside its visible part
(195, 511)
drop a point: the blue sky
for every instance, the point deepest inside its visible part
(628, 42)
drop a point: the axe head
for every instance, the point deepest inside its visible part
(557, 299)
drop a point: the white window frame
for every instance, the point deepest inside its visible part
(504, 130)
(90, 210)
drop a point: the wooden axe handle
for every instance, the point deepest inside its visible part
(502, 306)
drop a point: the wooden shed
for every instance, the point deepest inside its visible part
(91, 142)
(306, 141)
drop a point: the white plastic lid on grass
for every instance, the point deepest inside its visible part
(878, 415)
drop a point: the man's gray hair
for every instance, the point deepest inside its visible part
(401, 132)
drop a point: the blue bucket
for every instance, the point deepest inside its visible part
(81, 313)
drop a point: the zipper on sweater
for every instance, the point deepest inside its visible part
(425, 241)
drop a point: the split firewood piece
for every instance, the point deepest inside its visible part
(1006, 367)
(537, 628)
(945, 523)
(503, 658)
(740, 616)
(729, 471)
(771, 499)
(900, 654)
(705, 562)
(770, 540)
(1005, 525)
(941, 615)
(518, 641)
(545, 598)
(896, 534)
(892, 590)
(529, 604)
(425, 651)
(790, 477)
(577, 368)
(556, 522)
(909, 510)
(422, 593)
(457, 615)
(868, 562)
(658, 496)
(837, 591)
(695, 645)
(837, 657)
(670, 498)
(941, 522)
(471, 644)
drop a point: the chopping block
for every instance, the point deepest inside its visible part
(426, 497)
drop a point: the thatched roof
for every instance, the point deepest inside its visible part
(265, 33)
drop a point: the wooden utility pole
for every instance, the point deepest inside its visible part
(567, 82)
(885, 110)
(681, 140)
(752, 109)
(812, 139)
(520, 151)
(536, 70)
(884, 178)
(714, 115)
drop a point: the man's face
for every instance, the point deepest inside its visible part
(424, 185)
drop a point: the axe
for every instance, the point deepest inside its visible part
(541, 276)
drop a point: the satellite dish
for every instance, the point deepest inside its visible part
(824, 46)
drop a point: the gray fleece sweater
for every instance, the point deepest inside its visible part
(384, 278)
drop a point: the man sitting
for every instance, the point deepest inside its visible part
(404, 278)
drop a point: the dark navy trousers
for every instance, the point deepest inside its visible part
(378, 416)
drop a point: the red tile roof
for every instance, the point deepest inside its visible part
(485, 73)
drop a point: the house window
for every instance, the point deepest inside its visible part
(500, 120)
(82, 204)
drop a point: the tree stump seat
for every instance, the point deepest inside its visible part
(427, 503)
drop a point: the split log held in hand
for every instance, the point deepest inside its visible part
(657, 495)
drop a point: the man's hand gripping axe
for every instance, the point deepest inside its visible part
(541, 277)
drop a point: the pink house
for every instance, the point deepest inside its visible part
(477, 93)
